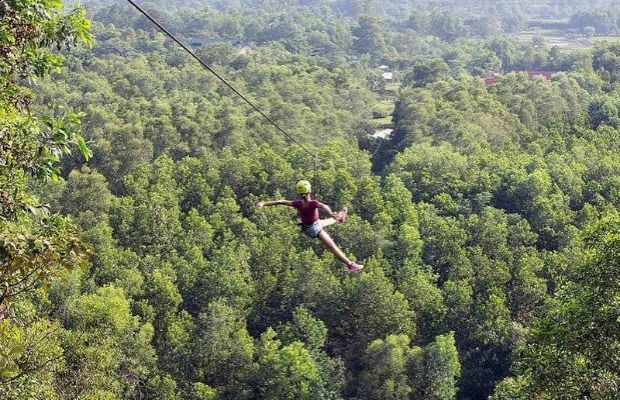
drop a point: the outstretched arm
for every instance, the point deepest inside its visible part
(262, 204)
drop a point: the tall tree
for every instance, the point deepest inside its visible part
(385, 373)
(34, 245)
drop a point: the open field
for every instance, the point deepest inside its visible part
(385, 108)
(382, 123)
(562, 40)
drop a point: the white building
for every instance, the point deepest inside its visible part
(383, 133)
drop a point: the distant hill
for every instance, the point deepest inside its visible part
(532, 8)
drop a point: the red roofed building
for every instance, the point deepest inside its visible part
(490, 79)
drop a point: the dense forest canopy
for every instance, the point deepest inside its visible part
(533, 8)
(134, 265)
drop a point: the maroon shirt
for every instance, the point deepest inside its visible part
(309, 214)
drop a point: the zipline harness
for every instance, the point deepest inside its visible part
(315, 156)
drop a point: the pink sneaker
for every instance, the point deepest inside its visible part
(342, 215)
(353, 267)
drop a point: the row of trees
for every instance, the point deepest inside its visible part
(317, 31)
(602, 21)
(356, 8)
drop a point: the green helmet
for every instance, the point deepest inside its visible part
(303, 187)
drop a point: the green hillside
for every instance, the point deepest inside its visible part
(134, 263)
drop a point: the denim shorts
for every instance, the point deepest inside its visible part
(311, 230)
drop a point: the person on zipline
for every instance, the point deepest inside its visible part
(311, 225)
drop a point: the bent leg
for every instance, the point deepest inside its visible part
(331, 246)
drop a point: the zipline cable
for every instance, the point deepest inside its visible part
(315, 157)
